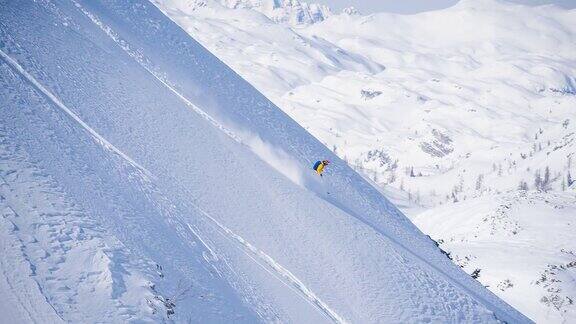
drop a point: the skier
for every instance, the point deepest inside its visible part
(320, 165)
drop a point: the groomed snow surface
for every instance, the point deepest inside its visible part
(142, 180)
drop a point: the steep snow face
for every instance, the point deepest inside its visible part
(436, 108)
(508, 69)
(141, 171)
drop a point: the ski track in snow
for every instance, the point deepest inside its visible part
(65, 296)
(349, 109)
(453, 297)
(141, 60)
(97, 137)
(259, 256)
(270, 262)
(279, 271)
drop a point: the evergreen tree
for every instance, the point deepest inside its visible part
(392, 177)
(479, 181)
(537, 180)
(546, 181)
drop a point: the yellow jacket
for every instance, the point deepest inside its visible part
(320, 168)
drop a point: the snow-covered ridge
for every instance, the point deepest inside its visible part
(133, 144)
(293, 12)
(289, 12)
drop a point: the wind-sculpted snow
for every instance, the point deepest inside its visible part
(172, 168)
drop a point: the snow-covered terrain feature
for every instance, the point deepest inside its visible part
(434, 97)
(293, 12)
(474, 102)
(521, 245)
(143, 180)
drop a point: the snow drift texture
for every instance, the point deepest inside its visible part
(140, 180)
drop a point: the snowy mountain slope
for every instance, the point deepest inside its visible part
(62, 148)
(74, 262)
(472, 101)
(185, 194)
(521, 244)
(292, 12)
(273, 54)
(412, 111)
(457, 82)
